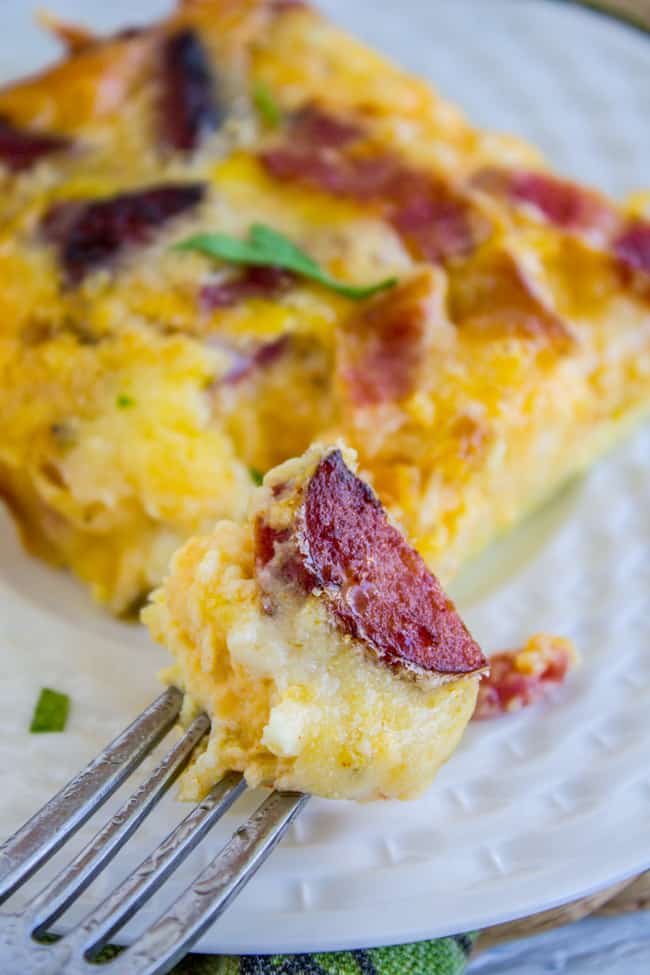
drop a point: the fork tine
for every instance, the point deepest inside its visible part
(173, 934)
(113, 913)
(49, 828)
(52, 901)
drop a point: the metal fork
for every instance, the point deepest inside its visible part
(165, 942)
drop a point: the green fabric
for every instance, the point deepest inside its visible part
(446, 956)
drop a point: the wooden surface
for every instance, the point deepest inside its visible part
(636, 9)
(626, 897)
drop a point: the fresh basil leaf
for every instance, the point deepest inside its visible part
(285, 251)
(224, 247)
(268, 247)
(266, 104)
(51, 711)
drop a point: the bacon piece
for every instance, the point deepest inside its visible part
(309, 153)
(254, 282)
(435, 222)
(361, 178)
(313, 153)
(344, 549)
(282, 5)
(91, 234)
(563, 203)
(20, 148)
(519, 678)
(266, 541)
(269, 542)
(500, 296)
(188, 106)
(382, 348)
(315, 127)
(632, 247)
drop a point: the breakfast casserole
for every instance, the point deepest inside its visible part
(328, 657)
(238, 232)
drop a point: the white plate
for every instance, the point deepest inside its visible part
(533, 810)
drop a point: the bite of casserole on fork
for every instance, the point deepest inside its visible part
(325, 652)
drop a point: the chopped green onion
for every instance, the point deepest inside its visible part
(124, 402)
(266, 104)
(51, 711)
(268, 248)
(256, 475)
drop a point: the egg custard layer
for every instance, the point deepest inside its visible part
(142, 386)
(326, 654)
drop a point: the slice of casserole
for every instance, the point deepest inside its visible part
(326, 654)
(141, 384)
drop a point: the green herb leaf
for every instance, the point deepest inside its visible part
(256, 475)
(51, 711)
(269, 248)
(124, 402)
(266, 104)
